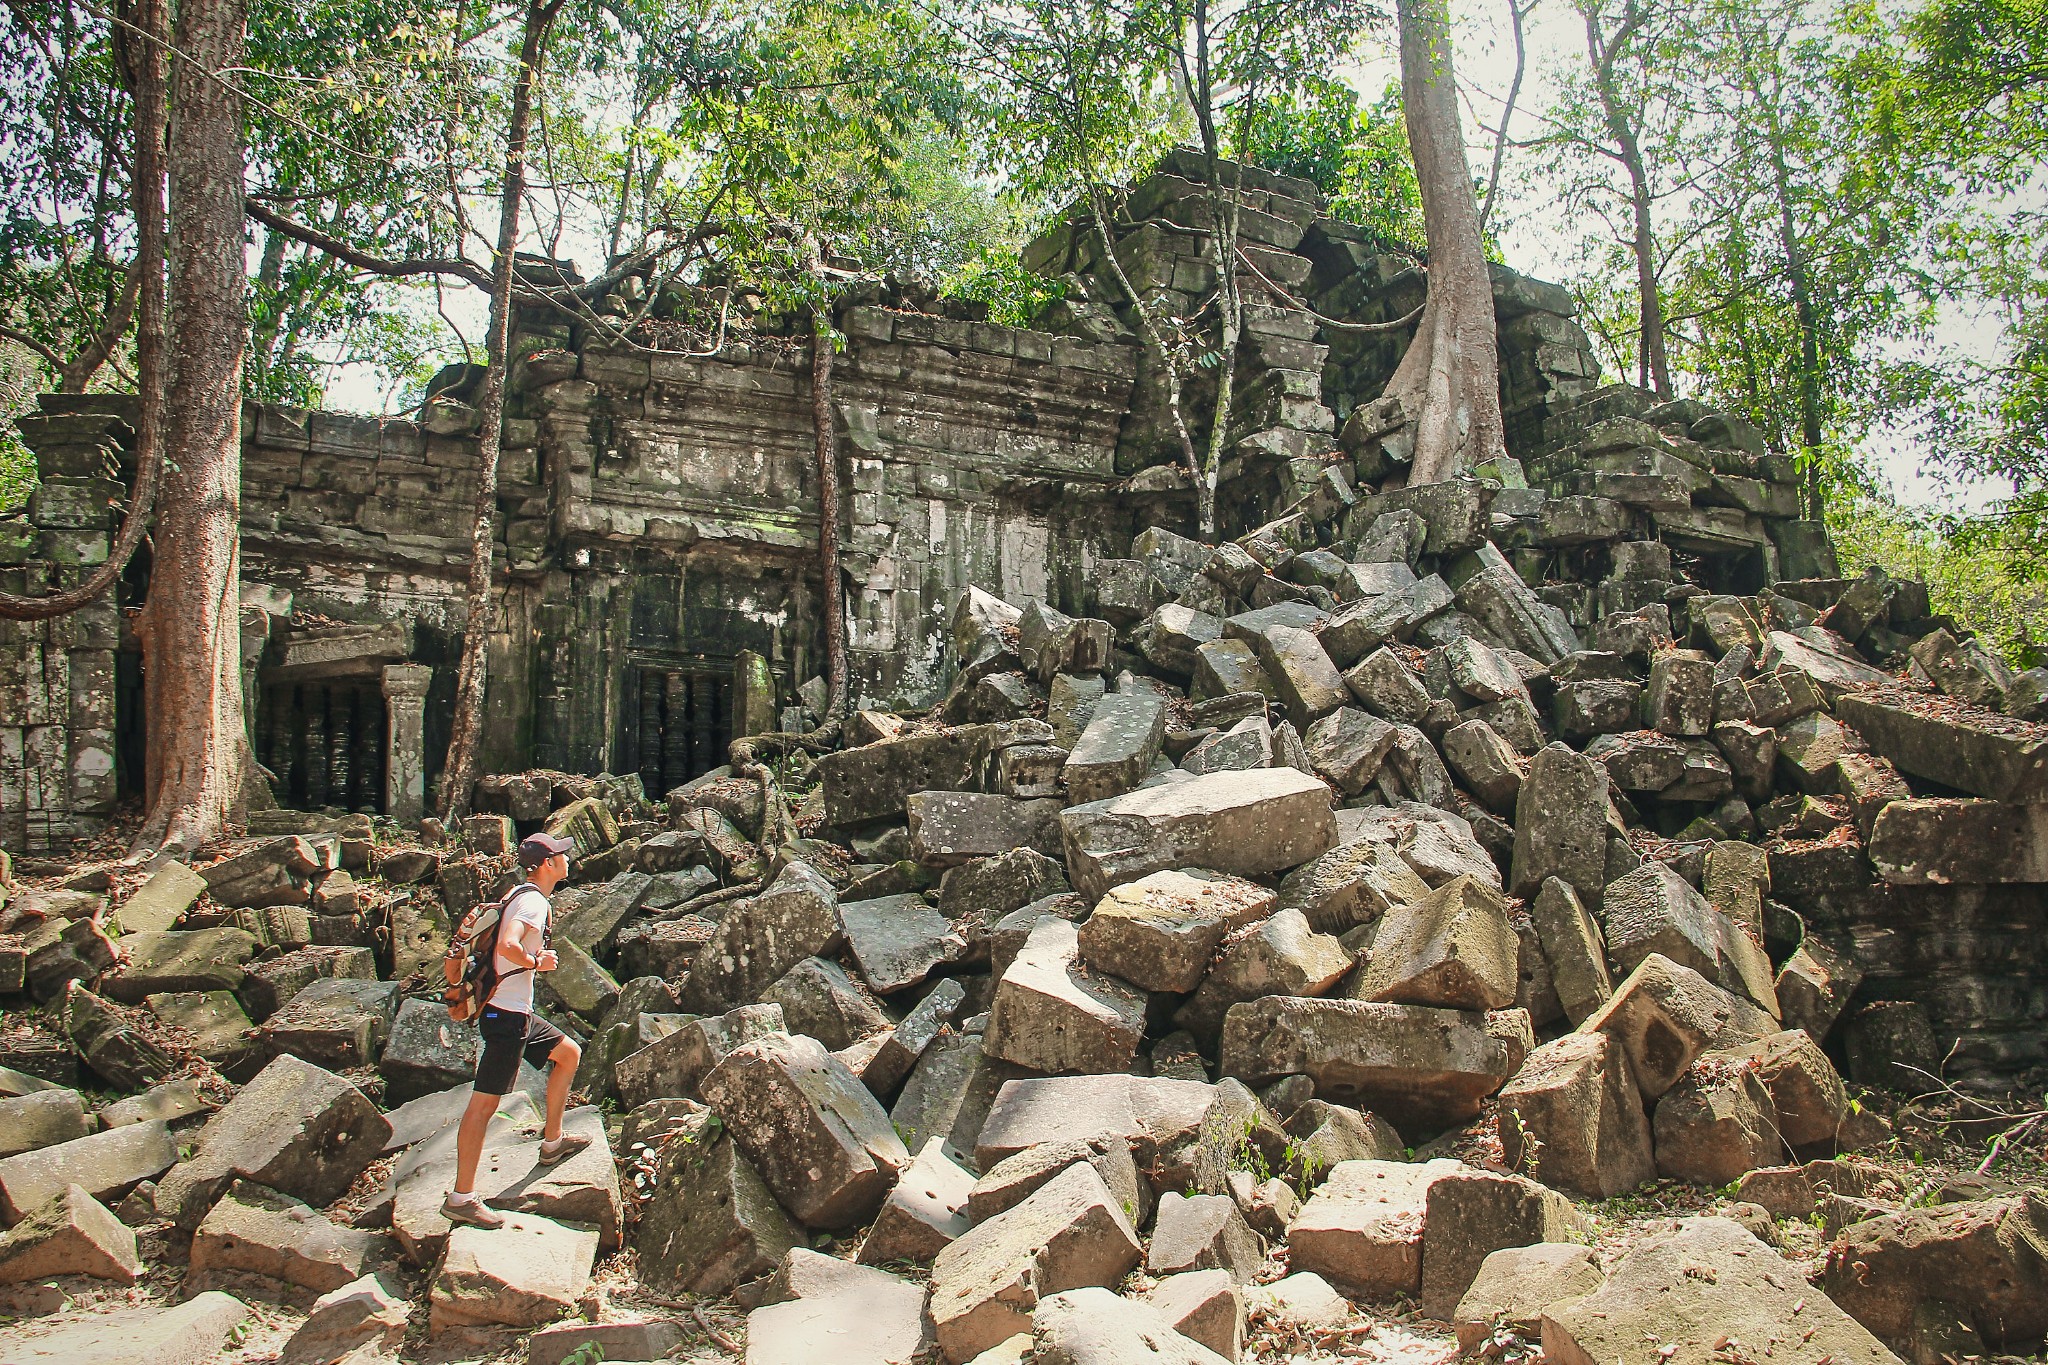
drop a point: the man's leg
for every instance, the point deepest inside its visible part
(469, 1140)
(562, 1061)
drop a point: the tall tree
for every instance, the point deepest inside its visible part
(190, 627)
(1447, 385)
(141, 41)
(481, 606)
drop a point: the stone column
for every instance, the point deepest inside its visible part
(405, 759)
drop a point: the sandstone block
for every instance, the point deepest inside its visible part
(1472, 1214)
(1246, 823)
(1516, 1284)
(1363, 1230)
(1717, 1122)
(1453, 949)
(711, 1223)
(1116, 750)
(1696, 1289)
(1070, 1234)
(1202, 1232)
(1096, 1327)
(295, 1128)
(1160, 931)
(106, 1165)
(71, 1234)
(1421, 1068)
(821, 1142)
(925, 1213)
(1665, 1015)
(1561, 825)
(1049, 1015)
(1572, 1118)
(256, 1231)
(520, 1275)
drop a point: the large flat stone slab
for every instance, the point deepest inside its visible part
(1696, 1290)
(1257, 821)
(520, 1275)
(191, 1333)
(1420, 1068)
(1970, 749)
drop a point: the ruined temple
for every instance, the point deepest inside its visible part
(658, 515)
(1582, 788)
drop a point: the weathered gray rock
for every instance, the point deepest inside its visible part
(1347, 747)
(926, 1211)
(42, 1118)
(1561, 825)
(1679, 699)
(161, 901)
(1363, 1230)
(710, 1223)
(1202, 1232)
(1572, 1118)
(427, 1052)
(1977, 1262)
(191, 1333)
(821, 1142)
(1307, 683)
(1472, 1214)
(583, 1190)
(1115, 752)
(819, 1308)
(1438, 844)
(1095, 1327)
(1815, 985)
(1160, 931)
(368, 1312)
(758, 940)
(1385, 684)
(1664, 1015)
(1699, 1288)
(1453, 949)
(339, 1024)
(1418, 1067)
(1240, 822)
(1490, 591)
(1717, 1122)
(1070, 1234)
(180, 960)
(1811, 1102)
(1050, 1015)
(111, 1044)
(106, 1165)
(1655, 910)
(1016, 1177)
(72, 1233)
(1155, 1115)
(818, 998)
(520, 1275)
(1169, 637)
(1515, 1285)
(1282, 955)
(1051, 642)
(1205, 1306)
(257, 1231)
(1573, 948)
(1353, 884)
(295, 1128)
(1487, 764)
(950, 828)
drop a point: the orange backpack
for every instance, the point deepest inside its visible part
(471, 962)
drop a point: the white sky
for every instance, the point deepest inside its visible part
(1530, 232)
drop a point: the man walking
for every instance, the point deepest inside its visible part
(511, 1030)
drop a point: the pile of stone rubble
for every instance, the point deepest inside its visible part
(1190, 939)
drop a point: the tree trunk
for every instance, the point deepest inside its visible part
(481, 619)
(190, 627)
(1811, 435)
(825, 440)
(1224, 202)
(1653, 365)
(142, 293)
(1448, 382)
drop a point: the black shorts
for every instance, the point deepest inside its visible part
(508, 1035)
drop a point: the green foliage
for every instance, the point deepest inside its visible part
(1014, 295)
(1356, 154)
(1975, 570)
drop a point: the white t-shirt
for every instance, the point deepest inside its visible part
(514, 990)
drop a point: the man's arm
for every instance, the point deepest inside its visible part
(524, 949)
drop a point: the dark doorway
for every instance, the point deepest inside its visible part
(323, 741)
(676, 724)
